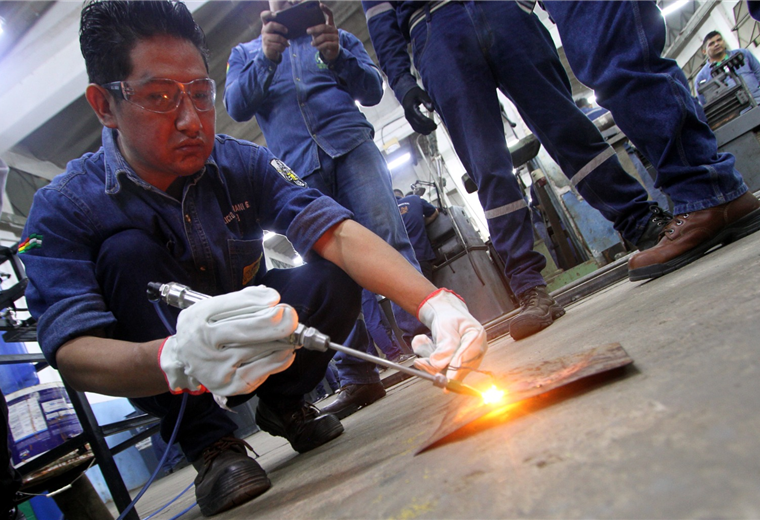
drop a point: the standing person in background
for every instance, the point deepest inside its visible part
(302, 92)
(715, 50)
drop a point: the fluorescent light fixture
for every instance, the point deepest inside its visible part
(675, 6)
(268, 235)
(403, 159)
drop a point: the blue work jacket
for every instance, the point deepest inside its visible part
(302, 103)
(215, 231)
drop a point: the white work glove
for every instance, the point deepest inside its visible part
(227, 345)
(459, 340)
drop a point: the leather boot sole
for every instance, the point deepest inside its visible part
(732, 232)
(524, 326)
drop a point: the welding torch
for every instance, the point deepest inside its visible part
(182, 297)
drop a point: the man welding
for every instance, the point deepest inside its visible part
(165, 199)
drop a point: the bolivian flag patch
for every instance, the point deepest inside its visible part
(286, 173)
(34, 241)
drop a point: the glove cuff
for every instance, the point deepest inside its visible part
(433, 295)
(410, 95)
(174, 372)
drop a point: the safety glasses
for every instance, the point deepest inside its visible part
(163, 95)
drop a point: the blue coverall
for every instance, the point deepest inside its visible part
(102, 233)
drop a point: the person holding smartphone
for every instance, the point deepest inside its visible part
(302, 92)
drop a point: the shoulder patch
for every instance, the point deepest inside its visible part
(34, 241)
(286, 173)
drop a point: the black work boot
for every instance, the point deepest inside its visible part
(353, 397)
(227, 477)
(539, 310)
(656, 225)
(306, 428)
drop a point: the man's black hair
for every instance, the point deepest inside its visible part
(709, 35)
(398, 192)
(110, 29)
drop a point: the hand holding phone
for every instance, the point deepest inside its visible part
(299, 18)
(325, 37)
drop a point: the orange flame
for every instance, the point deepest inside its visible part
(493, 395)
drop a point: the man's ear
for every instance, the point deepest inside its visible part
(103, 103)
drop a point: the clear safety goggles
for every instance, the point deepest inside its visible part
(163, 95)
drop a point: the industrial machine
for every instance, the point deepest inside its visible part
(726, 95)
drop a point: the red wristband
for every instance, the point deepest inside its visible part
(435, 293)
(199, 391)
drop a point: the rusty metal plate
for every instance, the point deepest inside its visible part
(526, 382)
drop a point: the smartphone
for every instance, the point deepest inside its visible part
(300, 17)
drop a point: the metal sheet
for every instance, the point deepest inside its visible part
(525, 382)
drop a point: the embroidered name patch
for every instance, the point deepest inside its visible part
(34, 241)
(286, 173)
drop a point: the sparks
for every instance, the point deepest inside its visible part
(493, 395)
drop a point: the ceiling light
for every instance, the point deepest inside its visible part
(675, 6)
(403, 159)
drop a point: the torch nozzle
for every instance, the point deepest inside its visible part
(452, 385)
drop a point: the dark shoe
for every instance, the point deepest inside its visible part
(539, 310)
(658, 219)
(352, 397)
(689, 236)
(227, 477)
(306, 428)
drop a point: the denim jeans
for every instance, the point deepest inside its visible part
(754, 9)
(360, 181)
(464, 52)
(322, 294)
(615, 48)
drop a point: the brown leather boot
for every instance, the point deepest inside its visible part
(689, 236)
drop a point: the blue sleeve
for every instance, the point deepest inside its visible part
(249, 74)
(427, 208)
(753, 63)
(390, 46)
(356, 71)
(63, 294)
(285, 204)
(703, 75)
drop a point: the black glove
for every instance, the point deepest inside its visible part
(411, 103)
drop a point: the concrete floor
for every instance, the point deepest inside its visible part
(675, 436)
